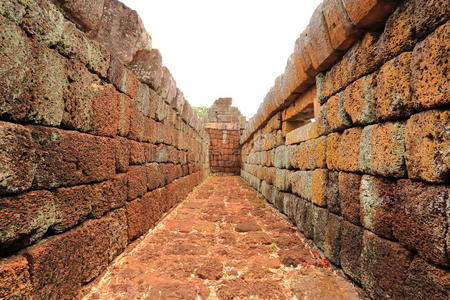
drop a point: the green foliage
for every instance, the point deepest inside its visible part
(201, 111)
(26, 2)
(274, 246)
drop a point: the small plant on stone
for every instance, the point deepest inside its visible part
(274, 246)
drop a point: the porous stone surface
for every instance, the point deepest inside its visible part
(94, 149)
(427, 146)
(15, 280)
(196, 253)
(351, 143)
(367, 178)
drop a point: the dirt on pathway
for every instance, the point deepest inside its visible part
(222, 242)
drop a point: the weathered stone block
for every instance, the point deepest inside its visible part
(121, 31)
(67, 158)
(266, 191)
(320, 152)
(301, 184)
(118, 232)
(304, 64)
(332, 241)
(399, 33)
(72, 206)
(15, 55)
(155, 177)
(15, 278)
(68, 253)
(351, 249)
(301, 109)
(319, 187)
(322, 122)
(322, 53)
(343, 33)
(137, 153)
(137, 125)
(33, 79)
(427, 146)
(368, 13)
(429, 15)
(382, 150)
(171, 172)
(349, 150)
(291, 203)
(420, 221)
(137, 182)
(349, 186)
(426, 281)
(302, 134)
(138, 221)
(281, 180)
(75, 45)
(332, 154)
(78, 97)
(85, 13)
(332, 193)
(299, 157)
(43, 21)
(309, 155)
(377, 205)
(320, 218)
(337, 117)
(384, 267)
(26, 218)
(304, 218)
(277, 198)
(122, 78)
(105, 110)
(109, 195)
(122, 154)
(349, 68)
(168, 90)
(124, 111)
(18, 158)
(282, 157)
(49, 80)
(142, 99)
(392, 92)
(359, 101)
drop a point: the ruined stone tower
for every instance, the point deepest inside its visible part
(224, 124)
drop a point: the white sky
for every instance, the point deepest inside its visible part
(232, 48)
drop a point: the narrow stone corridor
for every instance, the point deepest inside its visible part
(222, 242)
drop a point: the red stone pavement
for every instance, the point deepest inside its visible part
(222, 242)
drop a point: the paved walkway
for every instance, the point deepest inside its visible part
(223, 242)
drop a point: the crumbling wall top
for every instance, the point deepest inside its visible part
(222, 111)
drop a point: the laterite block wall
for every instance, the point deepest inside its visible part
(367, 180)
(96, 142)
(224, 125)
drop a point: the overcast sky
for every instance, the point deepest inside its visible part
(233, 48)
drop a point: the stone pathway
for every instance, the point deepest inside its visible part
(223, 242)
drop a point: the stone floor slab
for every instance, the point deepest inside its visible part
(222, 242)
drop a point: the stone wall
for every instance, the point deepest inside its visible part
(96, 142)
(224, 124)
(352, 143)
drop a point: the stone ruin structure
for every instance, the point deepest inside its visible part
(351, 143)
(224, 125)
